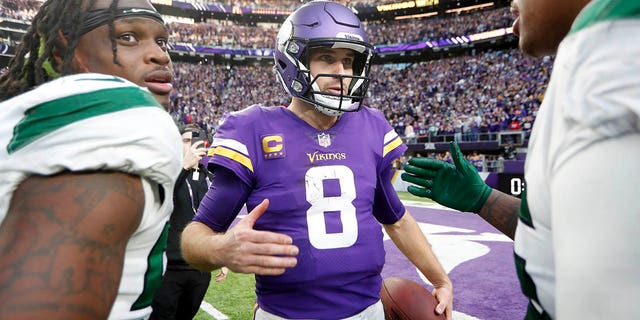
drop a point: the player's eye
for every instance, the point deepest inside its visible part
(327, 58)
(162, 43)
(128, 37)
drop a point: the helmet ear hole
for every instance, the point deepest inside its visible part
(283, 65)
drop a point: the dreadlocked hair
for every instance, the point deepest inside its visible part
(54, 20)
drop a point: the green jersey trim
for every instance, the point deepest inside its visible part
(153, 275)
(604, 10)
(44, 118)
(527, 285)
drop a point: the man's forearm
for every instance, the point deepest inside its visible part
(501, 211)
(408, 237)
(196, 245)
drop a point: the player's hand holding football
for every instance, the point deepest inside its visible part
(444, 295)
(456, 186)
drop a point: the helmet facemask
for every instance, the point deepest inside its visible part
(329, 25)
(349, 99)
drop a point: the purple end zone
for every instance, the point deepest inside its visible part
(485, 284)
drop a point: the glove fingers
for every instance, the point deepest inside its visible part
(426, 163)
(420, 172)
(420, 192)
(458, 158)
(416, 180)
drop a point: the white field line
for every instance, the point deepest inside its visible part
(215, 313)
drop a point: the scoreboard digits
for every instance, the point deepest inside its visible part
(511, 183)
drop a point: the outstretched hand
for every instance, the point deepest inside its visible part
(457, 186)
(259, 252)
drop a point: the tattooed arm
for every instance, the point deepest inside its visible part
(62, 244)
(501, 211)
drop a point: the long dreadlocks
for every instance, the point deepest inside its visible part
(56, 25)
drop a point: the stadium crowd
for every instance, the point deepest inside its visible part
(26, 9)
(19, 9)
(284, 4)
(229, 34)
(464, 98)
(436, 28)
(225, 33)
(467, 97)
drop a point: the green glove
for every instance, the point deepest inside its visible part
(458, 187)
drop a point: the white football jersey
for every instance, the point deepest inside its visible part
(98, 122)
(576, 246)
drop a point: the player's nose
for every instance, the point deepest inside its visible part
(157, 55)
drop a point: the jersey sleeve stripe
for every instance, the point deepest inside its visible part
(390, 136)
(391, 146)
(47, 117)
(233, 155)
(231, 144)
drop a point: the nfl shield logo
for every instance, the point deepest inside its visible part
(324, 139)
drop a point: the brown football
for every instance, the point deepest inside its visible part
(404, 299)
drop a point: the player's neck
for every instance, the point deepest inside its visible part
(308, 113)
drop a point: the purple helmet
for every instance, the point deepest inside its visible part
(322, 24)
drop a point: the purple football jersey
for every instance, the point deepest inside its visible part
(321, 186)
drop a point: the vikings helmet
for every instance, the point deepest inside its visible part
(322, 24)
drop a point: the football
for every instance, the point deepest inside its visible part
(404, 299)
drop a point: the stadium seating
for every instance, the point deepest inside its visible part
(470, 98)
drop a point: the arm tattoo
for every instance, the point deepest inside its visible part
(501, 211)
(62, 244)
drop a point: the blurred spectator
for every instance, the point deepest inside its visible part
(19, 9)
(476, 160)
(230, 34)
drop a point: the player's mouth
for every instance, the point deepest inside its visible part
(159, 82)
(337, 90)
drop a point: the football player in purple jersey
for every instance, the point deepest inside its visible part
(317, 179)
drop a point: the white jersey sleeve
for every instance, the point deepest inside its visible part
(581, 249)
(595, 221)
(93, 122)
